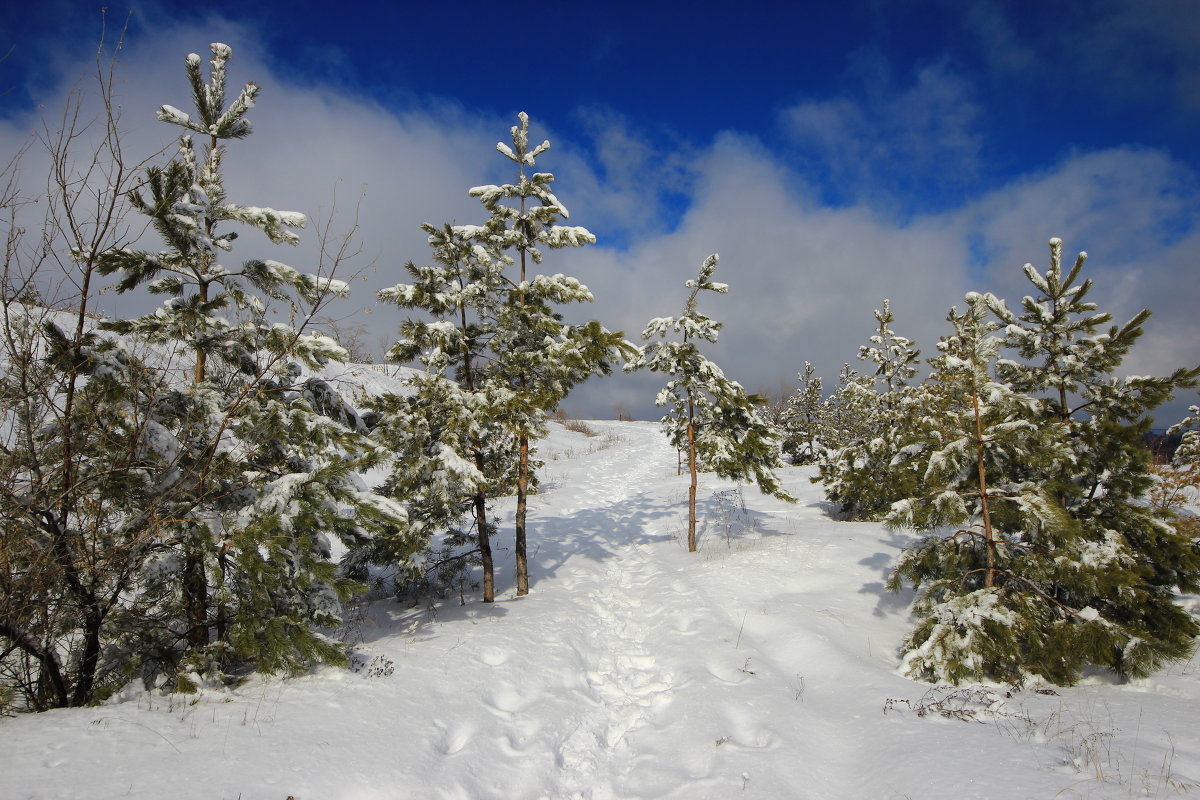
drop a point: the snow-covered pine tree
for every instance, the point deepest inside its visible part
(1188, 429)
(804, 419)
(1070, 359)
(450, 456)
(864, 477)
(539, 356)
(997, 575)
(711, 416)
(850, 410)
(895, 357)
(1177, 482)
(260, 478)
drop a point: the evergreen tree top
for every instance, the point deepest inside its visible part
(212, 118)
(969, 347)
(692, 324)
(895, 355)
(186, 203)
(1067, 352)
(525, 226)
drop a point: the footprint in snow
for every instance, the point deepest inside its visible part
(492, 656)
(727, 672)
(747, 731)
(521, 736)
(504, 698)
(456, 736)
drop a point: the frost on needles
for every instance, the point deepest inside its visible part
(711, 417)
(1042, 558)
(864, 467)
(255, 478)
(499, 352)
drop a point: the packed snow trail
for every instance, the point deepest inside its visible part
(760, 667)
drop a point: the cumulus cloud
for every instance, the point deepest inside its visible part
(1123, 203)
(804, 273)
(804, 277)
(315, 149)
(624, 181)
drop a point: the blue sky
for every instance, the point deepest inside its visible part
(834, 153)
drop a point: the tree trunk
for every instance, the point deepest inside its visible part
(479, 501)
(85, 596)
(519, 545)
(89, 659)
(691, 431)
(522, 506)
(483, 531)
(221, 623)
(195, 581)
(989, 540)
(195, 596)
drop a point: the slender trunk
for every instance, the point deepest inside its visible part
(201, 366)
(522, 505)
(195, 591)
(1064, 410)
(195, 578)
(68, 549)
(221, 623)
(195, 581)
(89, 658)
(691, 431)
(989, 539)
(85, 596)
(483, 530)
(519, 544)
(479, 500)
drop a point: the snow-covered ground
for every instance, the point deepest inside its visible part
(763, 666)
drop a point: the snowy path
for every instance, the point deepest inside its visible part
(758, 667)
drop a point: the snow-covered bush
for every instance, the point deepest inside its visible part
(867, 468)
(1037, 467)
(804, 420)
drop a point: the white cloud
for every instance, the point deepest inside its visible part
(621, 179)
(312, 147)
(1121, 204)
(804, 276)
(803, 279)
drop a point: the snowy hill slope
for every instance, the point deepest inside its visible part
(761, 667)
